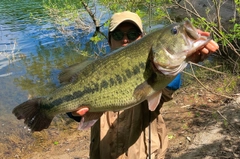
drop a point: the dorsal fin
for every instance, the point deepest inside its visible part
(70, 73)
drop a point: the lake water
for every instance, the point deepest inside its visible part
(32, 53)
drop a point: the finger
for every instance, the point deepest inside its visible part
(204, 51)
(80, 112)
(213, 46)
(203, 33)
(83, 111)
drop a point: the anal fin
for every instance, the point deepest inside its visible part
(89, 119)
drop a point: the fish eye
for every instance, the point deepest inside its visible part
(174, 30)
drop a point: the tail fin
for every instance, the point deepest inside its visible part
(35, 118)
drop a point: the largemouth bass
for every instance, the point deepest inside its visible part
(123, 79)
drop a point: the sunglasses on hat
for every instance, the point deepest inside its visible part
(132, 34)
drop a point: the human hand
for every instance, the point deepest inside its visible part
(80, 112)
(204, 52)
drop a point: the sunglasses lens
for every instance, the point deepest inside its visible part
(117, 35)
(133, 34)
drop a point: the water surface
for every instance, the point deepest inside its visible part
(32, 53)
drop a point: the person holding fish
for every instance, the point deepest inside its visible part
(136, 132)
(134, 80)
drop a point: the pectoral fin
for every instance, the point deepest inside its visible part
(154, 100)
(89, 119)
(142, 91)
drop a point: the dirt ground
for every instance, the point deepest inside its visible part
(200, 126)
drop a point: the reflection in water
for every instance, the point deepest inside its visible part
(43, 68)
(45, 50)
(31, 56)
(3, 63)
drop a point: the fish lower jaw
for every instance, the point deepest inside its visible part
(172, 71)
(174, 65)
(196, 45)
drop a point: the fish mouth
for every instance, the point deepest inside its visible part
(177, 61)
(190, 30)
(193, 38)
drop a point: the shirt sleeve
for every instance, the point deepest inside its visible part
(176, 83)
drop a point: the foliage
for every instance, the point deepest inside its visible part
(151, 12)
(96, 38)
(226, 34)
(41, 78)
(69, 12)
(65, 13)
(237, 2)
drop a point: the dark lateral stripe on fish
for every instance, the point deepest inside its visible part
(119, 79)
(96, 87)
(111, 81)
(104, 84)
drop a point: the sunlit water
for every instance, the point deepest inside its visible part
(32, 53)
